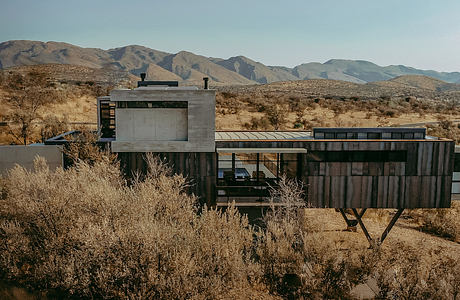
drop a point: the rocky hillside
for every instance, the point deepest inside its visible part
(189, 68)
(417, 86)
(75, 74)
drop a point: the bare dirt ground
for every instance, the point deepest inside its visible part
(405, 232)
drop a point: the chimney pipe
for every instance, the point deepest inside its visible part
(205, 79)
(142, 76)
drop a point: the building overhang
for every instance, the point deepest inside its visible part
(261, 150)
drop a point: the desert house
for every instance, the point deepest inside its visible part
(342, 168)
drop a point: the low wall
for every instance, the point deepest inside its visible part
(25, 155)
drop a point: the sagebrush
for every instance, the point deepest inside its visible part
(87, 232)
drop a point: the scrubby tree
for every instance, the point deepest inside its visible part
(53, 126)
(277, 115)
(27, 94)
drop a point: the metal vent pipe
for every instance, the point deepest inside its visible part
(205, 79)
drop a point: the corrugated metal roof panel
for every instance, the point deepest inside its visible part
(262, 135)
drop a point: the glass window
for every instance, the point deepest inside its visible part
(373, 135)
(396, 135)
(357, 156)
(289, 164)
(352, 135)
(409, 135)
(341, 135)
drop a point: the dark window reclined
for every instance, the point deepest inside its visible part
(357, 156)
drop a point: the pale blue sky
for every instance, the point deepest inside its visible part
(422, 34)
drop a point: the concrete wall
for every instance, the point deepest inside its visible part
(200, 121)
(155, 124)
(25, 155)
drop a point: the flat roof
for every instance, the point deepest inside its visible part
(262, 135)
(252, 135)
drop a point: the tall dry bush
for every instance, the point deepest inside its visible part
(405, 274)
(84, 147)
(277, 115)
(86, 232)
(443, 222)
(297, 261)
(446, 129)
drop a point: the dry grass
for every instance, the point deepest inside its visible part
(86, 232)
(59, 100)
(442, 222)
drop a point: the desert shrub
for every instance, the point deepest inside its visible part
(98, 90)
(388, 112)
(338, 108)
(86, 232)
(296, 261)
(446, 129)
(295, 104)
(257, 123)
(443, 222)
(83, 147)
(405, 274)
(53, 126)
(276, 115)
(227, 103)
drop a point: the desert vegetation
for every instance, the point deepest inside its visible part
(442, 222)
(445, 128)
(41, 101)
(326, 103)
(66, 95)
(87, 232)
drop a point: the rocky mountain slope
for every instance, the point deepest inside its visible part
(189, 68)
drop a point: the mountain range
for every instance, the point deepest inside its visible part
(190, 68)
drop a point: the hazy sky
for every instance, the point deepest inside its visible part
(423, 34)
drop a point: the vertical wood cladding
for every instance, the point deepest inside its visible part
(199, 168)
(422, 180)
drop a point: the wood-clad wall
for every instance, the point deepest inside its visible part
(200, 169)
(424, 180)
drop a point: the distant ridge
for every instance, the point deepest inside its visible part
(190, 68)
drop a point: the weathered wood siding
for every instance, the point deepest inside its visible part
(423, 180)
(200, 168)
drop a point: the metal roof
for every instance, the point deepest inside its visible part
(262, 135)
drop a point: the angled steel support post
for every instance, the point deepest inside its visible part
(361, 214)
(392, 223)
(351, 224)
(358, 217)
(342, 212)
(371, 241)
